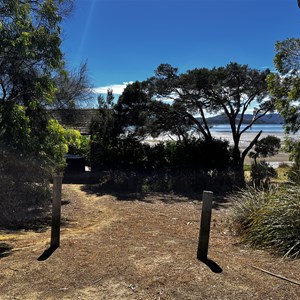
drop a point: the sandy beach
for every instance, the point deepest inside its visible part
(247, 137)
(275, 161)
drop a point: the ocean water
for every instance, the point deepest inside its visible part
(255, 128)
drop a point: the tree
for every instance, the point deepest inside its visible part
(73, 88)
(105, 130)
(33, 76)
(145, 116)
(266, 147)
(32, 68)
(106, 125)
(284, 87)
(30, 49)
(229, 90)
(57, 142)
(262, 171)
(132, 108)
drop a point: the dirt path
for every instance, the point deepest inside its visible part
(124, 248)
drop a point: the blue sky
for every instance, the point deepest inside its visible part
(125, 40)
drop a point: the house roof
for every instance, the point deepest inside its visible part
(79, 119)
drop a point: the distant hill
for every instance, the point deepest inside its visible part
(267, 119)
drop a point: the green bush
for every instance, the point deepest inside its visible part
(294, 173)
(130, 154)
(197, 154)
(181, 167)
(293, 147)
(269, 219)
(261, 173)
(24, 190)
(181, 182)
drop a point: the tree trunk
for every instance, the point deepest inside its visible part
(238, 167)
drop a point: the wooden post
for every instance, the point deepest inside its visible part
(56, 210)
(205, 225)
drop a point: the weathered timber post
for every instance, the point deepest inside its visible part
(56, 210)
(205, 225)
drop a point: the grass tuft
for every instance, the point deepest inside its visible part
(269, 219)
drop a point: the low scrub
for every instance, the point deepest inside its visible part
(181, 182)
(269, 219)
(261, 174)
(24, 191)
(132, 155)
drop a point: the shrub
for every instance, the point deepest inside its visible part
(181, 182)
(293, 147)
(261, 173)
(130, 154)
(182, 166)
(24, 190)
(284, 165)
(294, 173)
(197, 154)
(266, 147)
(269, 219)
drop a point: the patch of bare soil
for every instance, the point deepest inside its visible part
(127, 247)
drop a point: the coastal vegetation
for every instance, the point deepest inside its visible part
(284, 87)
(261, 171)
(33, 76)
(228, 90)
(33, 145)
(129, 226)
(269, 218)
(179, 104)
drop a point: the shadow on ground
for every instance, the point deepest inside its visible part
(5, 250)
(214, 267)
(37, 224)
(120, 195)
(47, 253)
(81, 178)
(129, 187)
(151, 197)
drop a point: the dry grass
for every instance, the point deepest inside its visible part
(139, 247)
(269, 218)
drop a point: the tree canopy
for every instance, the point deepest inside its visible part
(30, 49)
(33, 75)
(284, 85)
(194, 95)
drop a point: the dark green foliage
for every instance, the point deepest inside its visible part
(32, 76)
(124, 154)
(266, 147)
(130, 154)
(132, 106)
(183, 167)
(284, 87)
(24, 189)
(293, 147)
(229, 90)
(261, 173)
(181, 182)
(196, 154)
(30, 49)
(294, 173)
(269, 219)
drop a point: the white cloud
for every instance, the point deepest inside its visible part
(117, 88)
